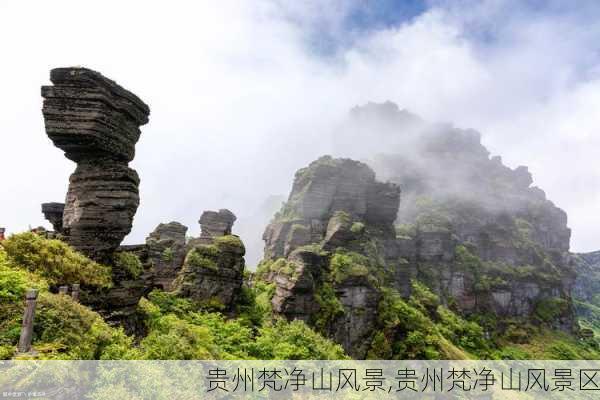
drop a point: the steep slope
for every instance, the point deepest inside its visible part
(483, 237)
(471, 241)
(586, 292)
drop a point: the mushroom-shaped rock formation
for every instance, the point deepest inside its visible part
(96, 123)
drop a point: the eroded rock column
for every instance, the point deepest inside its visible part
(96, 123)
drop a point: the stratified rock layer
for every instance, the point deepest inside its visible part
(475, 230)
(336, 211)
(96, 123)
(212, 273)
(166, 252)
(101, 202)
(53, 212)
(216, 223)
(89, 116)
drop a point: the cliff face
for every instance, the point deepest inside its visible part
(587, 284)
(474, 231)
(586, 292)
(337, 214)
(477, 232)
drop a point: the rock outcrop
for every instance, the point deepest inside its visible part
(586, 292)
(476, 231)
(216, 223)
(166, 247)
(337, 215)
(53, 212)
(212, 273)
(96, 123)
(587, 284)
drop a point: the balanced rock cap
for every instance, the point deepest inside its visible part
(90, 116)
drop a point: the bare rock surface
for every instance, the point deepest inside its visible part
(166, 252)
(96, 123)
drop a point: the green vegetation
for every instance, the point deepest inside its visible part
(330, 307)
(176, 332)
(418, 327)
(589, 316)
(65, 329)
(202, 256)
(345, 264)
(129, 263)
(357, 228)
(547, 344)
(294, 341)
(228, 243)
(432, 215)
(406, 231)
(423, 329)
(167, 255)
(54, 260)
(278, 266)
(547, 310)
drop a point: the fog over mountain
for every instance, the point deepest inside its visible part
(243, 94)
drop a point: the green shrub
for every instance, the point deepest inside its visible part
(278, 266)
(14, 282)
(229, 243)
(357, 228)
(294, 341)
(549, 309)
(169, 303)
(129, 263)
(167, 255)
(466, 334)
(330, 307)
(54, 260)
(264, 293)
(467, 261)
(172, 338)
(381, 348)
(65, 329)
(345, 264)
(202, 257)
(233, 338)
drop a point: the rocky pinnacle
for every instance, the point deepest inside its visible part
(96, 123)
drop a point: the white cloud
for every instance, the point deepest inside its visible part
(239, 102)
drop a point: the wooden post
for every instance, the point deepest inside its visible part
(27, 327)
(63, 290)
(75, 291)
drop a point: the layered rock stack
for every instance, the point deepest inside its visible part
(166, 252)
(212, 273)
(96, 123)
(216, 223)
(53, 212)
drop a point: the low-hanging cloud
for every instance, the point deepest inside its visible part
(240, 99)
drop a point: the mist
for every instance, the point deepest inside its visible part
(242, 95)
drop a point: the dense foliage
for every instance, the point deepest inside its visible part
(420, 327)
(54, 260)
